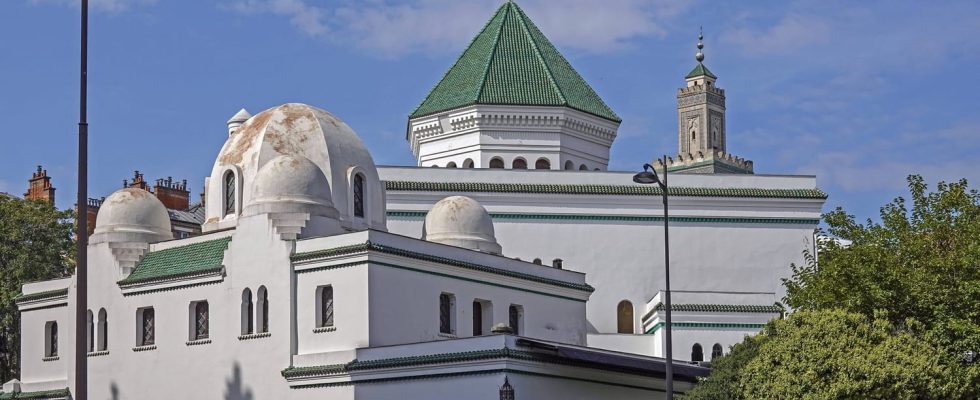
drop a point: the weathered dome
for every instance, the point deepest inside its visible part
(305, 133)
(291, 184)
(462, 222)
(132, 215)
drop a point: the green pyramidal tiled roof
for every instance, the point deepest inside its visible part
(699, 70)
(187, 260)
(510, 62)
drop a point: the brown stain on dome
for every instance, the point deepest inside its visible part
(246, 135)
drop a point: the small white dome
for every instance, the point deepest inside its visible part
(291, 184)
(462, 222)
(132, 215)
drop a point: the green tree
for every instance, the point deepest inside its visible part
(35, 244)
(915, 275)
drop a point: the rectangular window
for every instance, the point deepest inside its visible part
(477, 318)
(447, 305)
(515, 316)
(147, 326)
(51, 339)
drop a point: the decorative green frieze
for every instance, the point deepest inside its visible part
(196, 259)
(44, 394)
(705, 325)
(50, 294)
(637, 218)
(622, 190)
(370, 246)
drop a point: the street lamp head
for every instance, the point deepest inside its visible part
(648, 176)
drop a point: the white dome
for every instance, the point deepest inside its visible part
(132, 215)
(291, 184)
(302, 132)
(462, 222)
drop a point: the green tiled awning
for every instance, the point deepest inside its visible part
(187, 260)
(510, 62)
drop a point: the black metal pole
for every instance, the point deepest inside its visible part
(670, 358)
(81, 228)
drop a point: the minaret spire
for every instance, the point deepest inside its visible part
(700, 55)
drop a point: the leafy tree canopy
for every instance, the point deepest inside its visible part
(885, 310)
(35, 244)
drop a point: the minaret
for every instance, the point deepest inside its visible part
(702, 144)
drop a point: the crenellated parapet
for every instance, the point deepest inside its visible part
(710, 162)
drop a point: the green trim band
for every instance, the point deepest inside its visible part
(370, 246)
(49, 294)
(624, 190)
(201, 258)
(708, 325)
(718, 308)
(467, 356)
(45, 394)
(640, 218)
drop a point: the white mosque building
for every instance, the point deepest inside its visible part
(519, 268)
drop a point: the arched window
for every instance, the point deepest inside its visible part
(515, 315)
(263, 309)
(229, 186)
(716, 351)
(147, 328)
(519, 163)
(447, 305)
(324, 307)
(51, 339)
(248, 313)
(359, 195)
(451, 165)
(468, 163)
(624, 317)
(201, 322)
(583, 167)
(697, 354)
(103, 330)
(91, 332)
(542, 163)
(569, 165)
(694, 135)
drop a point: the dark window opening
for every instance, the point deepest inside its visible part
(359, 195)
(697, 354)
(201, 329)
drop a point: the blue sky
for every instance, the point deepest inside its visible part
(858, 93)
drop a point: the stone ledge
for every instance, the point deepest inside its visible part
(324, 329)
(251, 336)
(145, 348)
(50, 358)
(98, 353)
(198, 342)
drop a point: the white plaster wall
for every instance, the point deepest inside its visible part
(350, 291)
(32, 344)
(405, 308)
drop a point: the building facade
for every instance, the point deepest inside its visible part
(520, 268)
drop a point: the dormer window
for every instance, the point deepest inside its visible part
(359, 195)
(229, 190)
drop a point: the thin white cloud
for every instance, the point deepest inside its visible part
(390, 29)
(109, 6)
(791, 32)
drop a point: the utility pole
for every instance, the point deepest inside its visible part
(81, 227)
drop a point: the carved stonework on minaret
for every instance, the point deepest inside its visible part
(702, 143)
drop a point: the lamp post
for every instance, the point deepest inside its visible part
(649, 176)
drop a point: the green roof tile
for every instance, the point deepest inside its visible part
(700, 70)
(46, 394)
(187, 260)
(510, 62)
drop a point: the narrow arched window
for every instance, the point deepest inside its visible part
(447, 303)
(451, 165)
(51, 344)
(229, 186)
(716, 351)
(90, 324)
(147, 326)
(477, 318)
(248, 313)
(583, 167)
(468, 163)
(496, 163)
(697, 354)
(263, 308)
(542, 163)
(519, 163)
(325, 306)
(624, 317)
(201, 320)
(103, 330)
(515, 314)
(359, 195)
